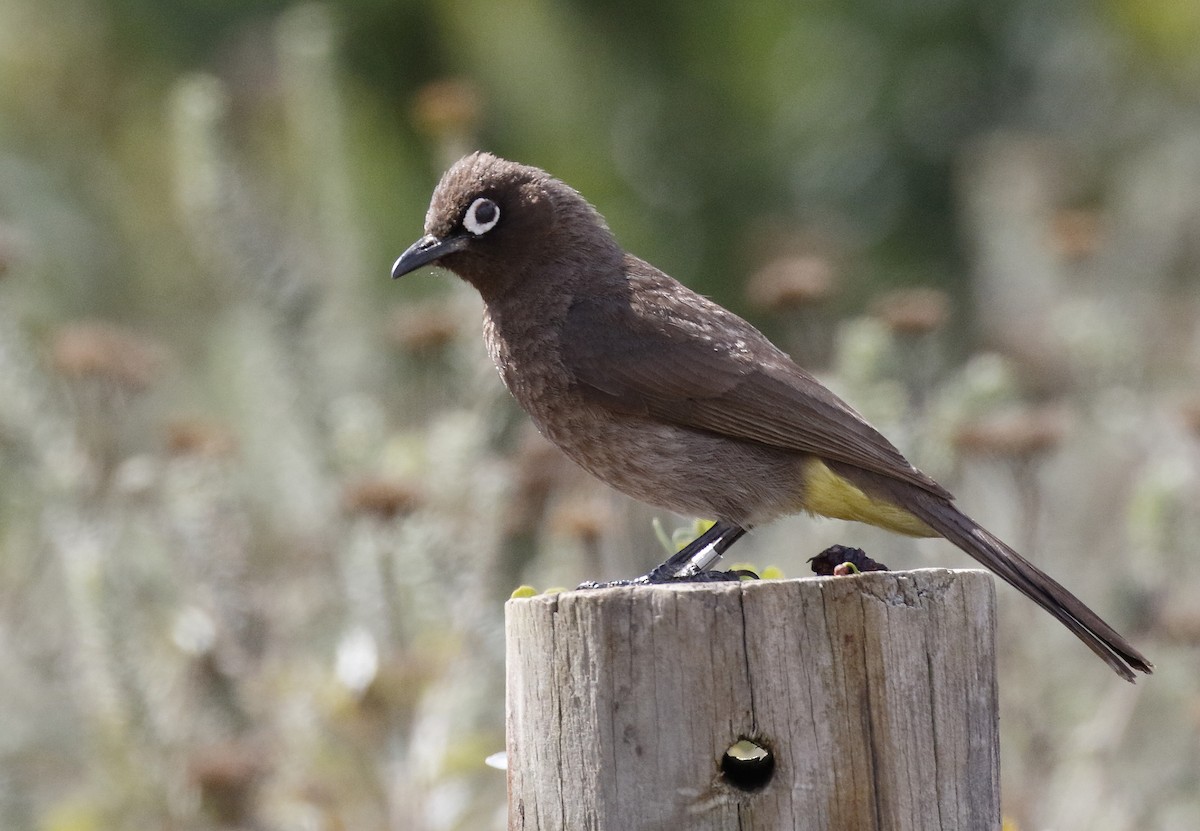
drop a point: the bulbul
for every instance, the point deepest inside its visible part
(676, 401)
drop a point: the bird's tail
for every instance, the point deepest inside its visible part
(951, 523)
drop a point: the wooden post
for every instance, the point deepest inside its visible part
(869, 703)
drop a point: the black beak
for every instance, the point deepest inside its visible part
(425, 251)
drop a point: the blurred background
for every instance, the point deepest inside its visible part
(260, 506)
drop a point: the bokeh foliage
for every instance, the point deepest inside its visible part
(259, 506)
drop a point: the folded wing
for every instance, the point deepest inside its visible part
(659, 350)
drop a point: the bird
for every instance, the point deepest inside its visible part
(676, 401)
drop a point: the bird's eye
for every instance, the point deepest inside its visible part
(482, 216)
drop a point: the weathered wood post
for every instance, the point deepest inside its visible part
(869, 702)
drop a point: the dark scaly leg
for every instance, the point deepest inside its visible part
(692, 562)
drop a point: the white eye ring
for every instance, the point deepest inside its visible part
(482, 216)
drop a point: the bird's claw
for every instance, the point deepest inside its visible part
(655, 579)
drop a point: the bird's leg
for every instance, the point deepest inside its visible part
(690, 563)
(699, 555)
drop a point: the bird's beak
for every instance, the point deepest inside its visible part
(426, 250)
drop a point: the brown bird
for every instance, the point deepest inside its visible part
(676, 401)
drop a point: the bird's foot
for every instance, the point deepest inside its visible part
(654, 578)
(689, 564)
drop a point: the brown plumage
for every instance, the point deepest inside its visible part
(675, 400)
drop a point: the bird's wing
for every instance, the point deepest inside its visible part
(660, 350)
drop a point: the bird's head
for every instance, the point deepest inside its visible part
(493, 221)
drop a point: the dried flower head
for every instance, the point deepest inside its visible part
(101, 350)
(424, 327)
(449, 106)
(913, 311)
(1020, 434)
(192, 437)
(227, 776)
(1179, 623)
(10, 246)
(539, 469)
(380, 498)
(1075, 233)
(582, 519)
(1190, 413)
(396, 687)
(540, 465)
(791, 282)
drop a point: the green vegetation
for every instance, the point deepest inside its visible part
(260, 507)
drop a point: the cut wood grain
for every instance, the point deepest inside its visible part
(871, 697)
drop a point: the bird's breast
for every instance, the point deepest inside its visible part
(528, 357)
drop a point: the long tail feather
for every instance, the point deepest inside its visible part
(944, 518)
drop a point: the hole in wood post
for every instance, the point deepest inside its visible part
(747, 765)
